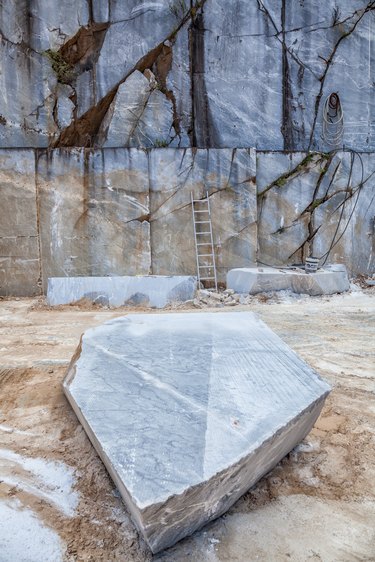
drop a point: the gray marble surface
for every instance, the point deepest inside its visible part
(255, 280)
(187, 411)
(127, 211)
(94, 210)
(239, 74)
(141, 115)
(136, 28)
(155, 291)
(306, 202)
(19, 255)
(229, 178)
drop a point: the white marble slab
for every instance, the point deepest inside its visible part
(189, 410)
(155, 291)
(328, 281)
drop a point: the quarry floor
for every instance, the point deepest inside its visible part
(58, 503)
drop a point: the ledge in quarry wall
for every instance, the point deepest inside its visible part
(119, 211)
(207, 73)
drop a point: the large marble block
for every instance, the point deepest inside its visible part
(255, 280)
(156, 291)
(187, 411)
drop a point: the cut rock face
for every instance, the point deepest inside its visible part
(188, 411)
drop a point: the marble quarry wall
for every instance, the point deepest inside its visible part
(186, 73)
(112, 113)
(120, 211)
(115, 211)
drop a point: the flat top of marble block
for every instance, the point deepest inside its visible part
(174, 399)
(114, 277)
(286, 271)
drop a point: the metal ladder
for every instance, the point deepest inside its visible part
(204, 240)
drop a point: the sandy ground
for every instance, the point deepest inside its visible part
(58, 503)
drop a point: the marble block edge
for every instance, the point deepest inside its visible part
(152, 291)
(323, 282)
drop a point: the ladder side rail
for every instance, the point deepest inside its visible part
(195, 241)
(212, 242)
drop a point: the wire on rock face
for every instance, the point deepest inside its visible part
(349, 194)
(333, 120)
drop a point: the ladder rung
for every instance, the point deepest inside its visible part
(203, 243)
(205, 255)
(206, 278)
(202, 222)
(200, 200)
(205, 211)
(208, 232)
(203, 266)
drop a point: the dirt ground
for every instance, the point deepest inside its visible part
(318, 504)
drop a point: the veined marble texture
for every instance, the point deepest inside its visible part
(188, 411)
(224, 74)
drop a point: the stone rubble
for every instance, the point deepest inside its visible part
(205, 298)
(220, 299)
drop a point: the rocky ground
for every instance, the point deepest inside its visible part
(58, 503)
